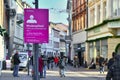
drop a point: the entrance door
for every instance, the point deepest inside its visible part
(81, 58)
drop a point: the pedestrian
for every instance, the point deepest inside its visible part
(92, 64)
(101, 64)
(56, 60)
(62, 67)
(48, 62)
(52, 62)
(44, 58)
(111, 60)
(40, 66)
(114, 71)
(16, 62)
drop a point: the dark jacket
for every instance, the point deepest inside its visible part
(101, 61)
(114, 71)
(61, 64)
(16, 59)
(110, 62)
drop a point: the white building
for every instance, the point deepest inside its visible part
(16, 30)
(55, 46)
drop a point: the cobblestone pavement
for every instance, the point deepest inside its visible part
(71, 74)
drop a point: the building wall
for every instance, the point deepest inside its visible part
(112, 44)
(79, 19)
(4, 24)
(103, 28)
(18, 34)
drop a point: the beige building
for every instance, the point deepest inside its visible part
(4, 18)
(103, 28)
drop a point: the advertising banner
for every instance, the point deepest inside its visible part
(36, 22)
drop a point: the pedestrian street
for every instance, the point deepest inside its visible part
(71, 74)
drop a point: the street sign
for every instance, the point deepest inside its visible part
(36, 22)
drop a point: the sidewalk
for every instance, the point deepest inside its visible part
(7, 75)
(54, 74)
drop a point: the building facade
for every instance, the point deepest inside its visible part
(16, 40)
(79, 24)
(4, 24)
(103, 28)
(57, 43)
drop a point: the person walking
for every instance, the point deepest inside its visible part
(62, 67)
(48, 62)
(40, 66)
(111, 60)
(114, 71)
(101, 64)
(44, 58)
(16, 62)
(56, 60)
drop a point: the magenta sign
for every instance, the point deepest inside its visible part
(36, 22)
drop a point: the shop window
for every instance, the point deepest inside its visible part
(104, 48)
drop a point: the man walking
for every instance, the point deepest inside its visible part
(16, 62)
(114, 70)
(101, 64)
(111, 60)
(62, 67)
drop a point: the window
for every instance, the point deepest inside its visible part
(91, 50)
(56, 34)
(98, 48)
(92, 17)
(56, 44)
(114, 7)
(104, 10)
(98, 14)
(104, 48)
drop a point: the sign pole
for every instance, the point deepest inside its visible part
(36, 31)
(36, 52)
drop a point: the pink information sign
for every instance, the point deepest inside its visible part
(36, 22)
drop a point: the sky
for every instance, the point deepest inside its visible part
(57, 9)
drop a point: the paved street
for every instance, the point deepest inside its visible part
(71, 74)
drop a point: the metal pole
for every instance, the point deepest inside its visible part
(70, 26)
(35, 57)
(28, 65)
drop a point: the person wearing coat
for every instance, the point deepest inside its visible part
(40, 66)
(114, 71)
(16, 62)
